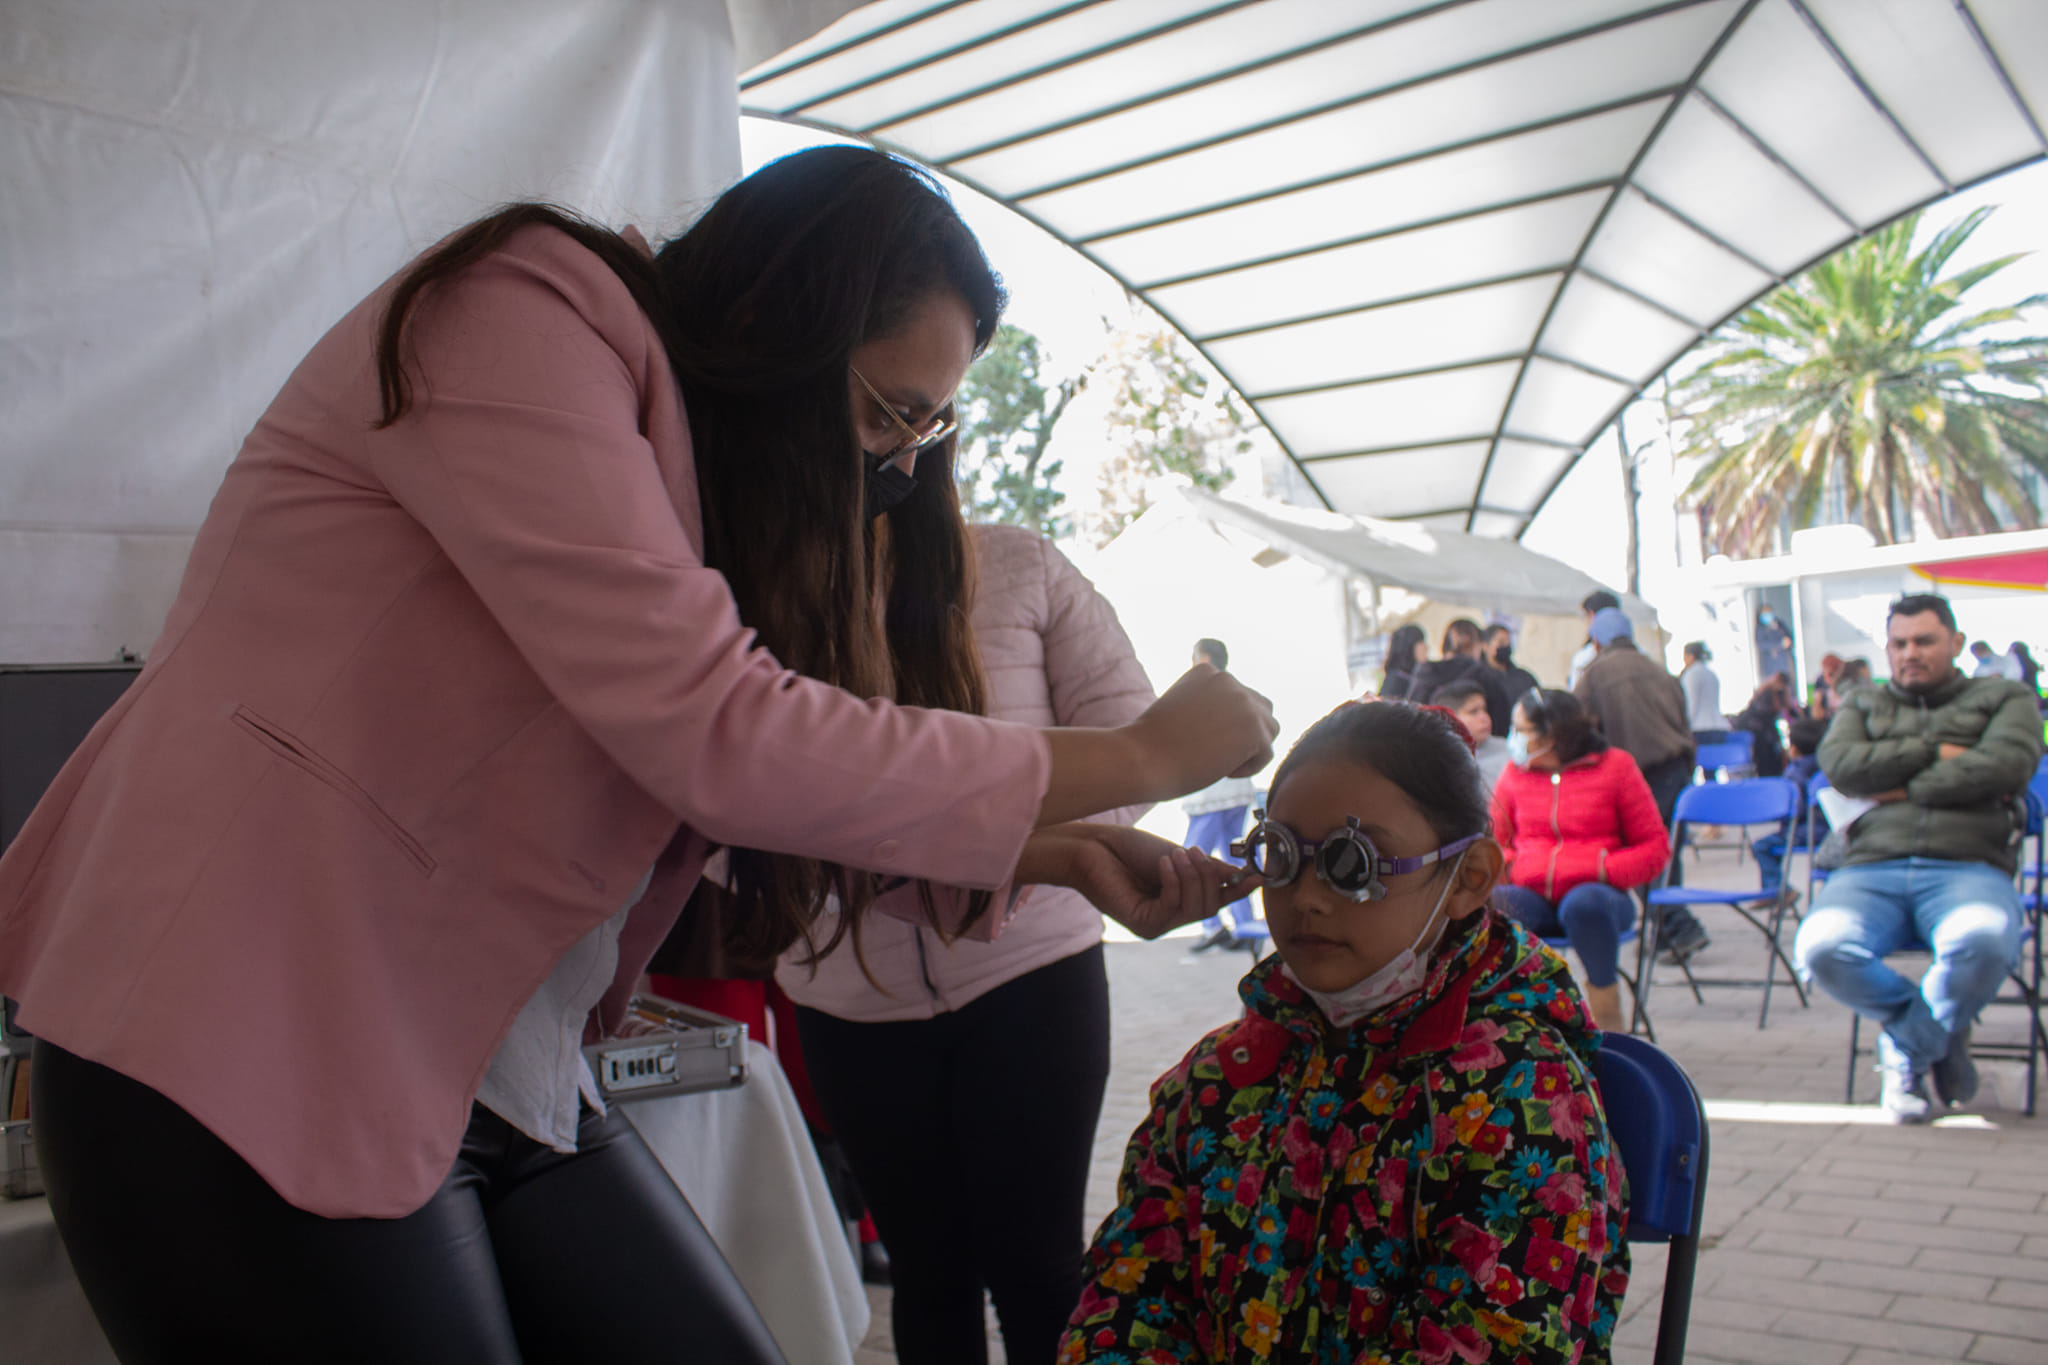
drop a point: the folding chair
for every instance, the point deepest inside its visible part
(1752, 801)
(1730, 760)
(2025, 977)
(1646, 956)
(1660, 1127)
(1721, 758)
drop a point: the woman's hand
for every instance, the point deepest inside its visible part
(1141, 881)
(1207, 726)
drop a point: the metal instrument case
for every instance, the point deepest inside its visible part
(680, 1050)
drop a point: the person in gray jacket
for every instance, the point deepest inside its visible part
(1945, 759)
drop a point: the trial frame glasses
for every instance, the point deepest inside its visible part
(1348, 861)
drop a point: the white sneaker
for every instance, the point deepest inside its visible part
(1904, 1097)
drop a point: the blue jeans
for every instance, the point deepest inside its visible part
(1770, 854)
(1968, 913)
(1772, 850)
(1212, 831)
(1591, 916)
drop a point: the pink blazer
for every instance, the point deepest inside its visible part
(429, 703)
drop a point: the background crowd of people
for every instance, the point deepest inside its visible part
(1557, 771)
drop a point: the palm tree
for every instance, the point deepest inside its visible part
(1867, 375)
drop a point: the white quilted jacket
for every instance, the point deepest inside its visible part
(1054, 655)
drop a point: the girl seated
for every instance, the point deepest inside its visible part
(1398, 1153)
(1580, 828)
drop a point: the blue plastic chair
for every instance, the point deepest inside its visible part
(2026, 976)
(1713, 758)
(1660, 1127)
(1729, 760)
(1732, 757)
(1752, 801)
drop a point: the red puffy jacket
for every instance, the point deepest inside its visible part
(1592, 821)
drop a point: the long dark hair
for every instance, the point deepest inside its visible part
(759, 307)
(1563, 718)
(1401, 649)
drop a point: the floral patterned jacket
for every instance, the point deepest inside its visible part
(1433, 1185)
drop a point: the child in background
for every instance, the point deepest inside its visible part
(1398, 1153)
(1467, 701)
(1803, 739)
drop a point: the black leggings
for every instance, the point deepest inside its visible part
(971, 1136)
(523, 1254)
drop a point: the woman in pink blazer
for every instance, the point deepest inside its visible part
(545, 573)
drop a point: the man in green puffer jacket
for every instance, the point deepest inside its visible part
(1946, 758)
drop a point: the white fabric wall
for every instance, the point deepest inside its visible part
(194, 190)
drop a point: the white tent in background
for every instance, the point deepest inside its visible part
(197, 191)
(1443, 565)
(1304, 598)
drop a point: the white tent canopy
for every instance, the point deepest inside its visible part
(1303, 598)
(196, 191)
(1429, 561)
(1438, 244)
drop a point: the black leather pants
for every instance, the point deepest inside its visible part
(523, 1254)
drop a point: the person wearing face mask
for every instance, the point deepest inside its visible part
(934, 1057)
(1398, 1152)
(1500, 653)
(1580, 829)
(1773, 645)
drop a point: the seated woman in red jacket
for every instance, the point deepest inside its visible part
(1580, 828)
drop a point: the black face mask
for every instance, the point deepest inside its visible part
(1503, 655)
(885, 488)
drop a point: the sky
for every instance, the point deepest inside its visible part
(1071, 305)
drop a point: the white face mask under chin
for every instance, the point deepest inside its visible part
(1401, 977)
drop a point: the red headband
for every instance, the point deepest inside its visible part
(1457, 726)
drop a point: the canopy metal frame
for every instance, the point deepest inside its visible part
(1869, 84)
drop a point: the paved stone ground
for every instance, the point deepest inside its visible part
(1831, 1237)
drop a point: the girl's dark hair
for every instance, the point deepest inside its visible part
(759, 306)
(1419, 749)
(1565, 720)
(1401, 648)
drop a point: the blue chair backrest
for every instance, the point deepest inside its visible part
(1744, 740)
(1753, 801)
(1654, 1114)
(1657, 1121)
(1713, 756)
